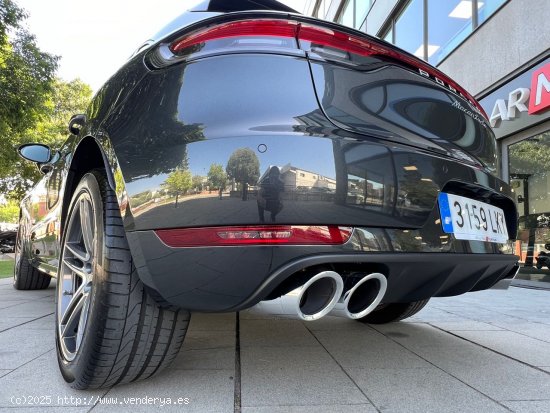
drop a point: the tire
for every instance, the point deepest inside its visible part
(25, 276)
(109, 330)
(389, 313)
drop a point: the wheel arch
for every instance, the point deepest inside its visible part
(88, 154)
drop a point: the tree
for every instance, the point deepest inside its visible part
(197, 182)
(50, 128)
(26, 86)
(9, 212)
(178, 182)
(531, 156)
(217, 178)
(10, 17)
(244, 167)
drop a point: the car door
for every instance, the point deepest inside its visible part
(45, 213)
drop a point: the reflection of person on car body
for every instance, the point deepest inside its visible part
(269, 195)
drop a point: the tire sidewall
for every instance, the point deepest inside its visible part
(74, 369)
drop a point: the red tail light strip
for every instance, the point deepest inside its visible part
(255, 235)
(274, 28)
(319, 36)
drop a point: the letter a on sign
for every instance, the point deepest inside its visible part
(540, 90)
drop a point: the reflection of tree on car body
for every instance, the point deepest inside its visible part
(269, 195)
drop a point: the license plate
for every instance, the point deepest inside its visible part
(468, 219)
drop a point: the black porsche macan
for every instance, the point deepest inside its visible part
(245, 152)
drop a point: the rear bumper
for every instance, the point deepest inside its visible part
(214, 279)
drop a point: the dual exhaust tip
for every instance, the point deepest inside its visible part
(321, 293)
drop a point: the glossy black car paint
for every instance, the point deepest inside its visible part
(304, 112)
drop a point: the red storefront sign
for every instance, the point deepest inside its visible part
(540, 90)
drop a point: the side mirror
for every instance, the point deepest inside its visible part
(35, 152)
(76, 123)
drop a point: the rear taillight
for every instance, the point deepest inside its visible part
(255, 235)
(277, 34)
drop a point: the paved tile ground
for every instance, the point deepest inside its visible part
(486, 351)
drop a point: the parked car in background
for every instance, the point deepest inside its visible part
(254, 86)
(7, 241)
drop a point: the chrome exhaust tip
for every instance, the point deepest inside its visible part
(365, 296)
(319, 295)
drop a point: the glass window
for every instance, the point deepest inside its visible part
(529, 165)
(321, 11)
(346, 17)
(361, 9)
(449, 23)
(389, 36)
(409, 28)
(486, 8)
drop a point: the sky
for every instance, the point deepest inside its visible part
(95, 37)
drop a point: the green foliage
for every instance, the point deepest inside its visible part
(197, 182)
(244, 166)
(10, 16)
(27, 93)
(217, 178)
(178, 182)
(531, 156)
(141, 198)
(50, 127)
(9, 212)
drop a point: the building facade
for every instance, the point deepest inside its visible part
(498, 50)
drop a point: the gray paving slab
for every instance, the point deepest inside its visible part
(529, 350)
(492, 374)
(46, 409)
(421, 390)
(205, 359)
(36, 308)
(42, 323)
(213, 322)
(10, 322)
(368, 349)
(3, 372)
(203, 339)
(205, 391)
(275, 376)
(529, 406)
(21, 345)
(6, 289)
(40, 378)
(416, 335)
(465, 325)
(254, 316)
(275, 333)
(529, 329)
(10, 294)
(333, 408)
(434, 314)
(331, 323)
(6, 301)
